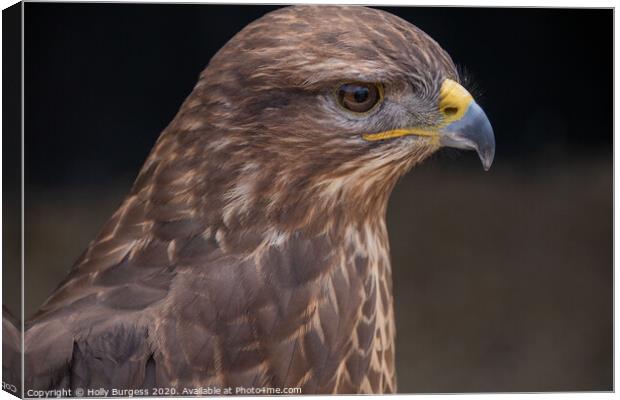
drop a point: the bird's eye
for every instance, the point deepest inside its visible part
(359, 97)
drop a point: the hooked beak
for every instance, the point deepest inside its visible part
(465, 125)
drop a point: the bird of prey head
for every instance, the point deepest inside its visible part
(327, 105)
(252, 249)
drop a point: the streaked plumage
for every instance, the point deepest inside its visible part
(252, 249)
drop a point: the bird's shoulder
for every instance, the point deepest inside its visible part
(227, 306)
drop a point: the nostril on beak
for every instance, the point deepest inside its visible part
(450, 110)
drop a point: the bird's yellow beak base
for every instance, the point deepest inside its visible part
(433, 134)
(464, 125)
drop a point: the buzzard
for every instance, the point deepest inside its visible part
(252, 250)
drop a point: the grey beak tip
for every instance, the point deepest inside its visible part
(472, 132)
(486, 157)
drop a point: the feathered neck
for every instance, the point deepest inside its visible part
(241, 180)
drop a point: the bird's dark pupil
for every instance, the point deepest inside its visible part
(361, 94)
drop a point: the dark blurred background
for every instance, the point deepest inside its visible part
(503, 280)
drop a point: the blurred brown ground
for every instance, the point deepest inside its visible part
(502, 280)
